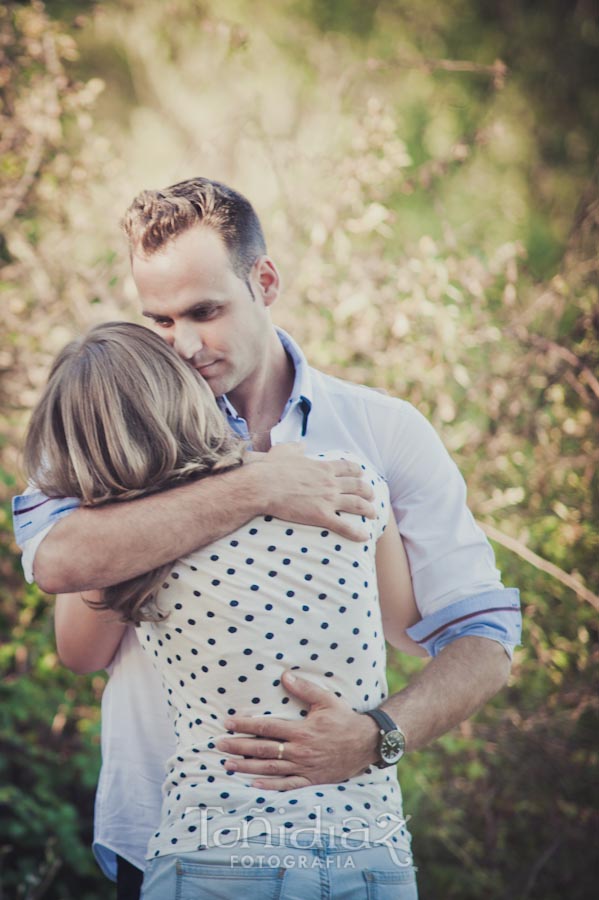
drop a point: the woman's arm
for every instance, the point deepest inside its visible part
(396, 595)
(86, 638)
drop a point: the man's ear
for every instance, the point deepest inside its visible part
(266, 277)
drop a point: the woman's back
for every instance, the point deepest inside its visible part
(268, 597)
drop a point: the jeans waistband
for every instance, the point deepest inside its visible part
(314, 841)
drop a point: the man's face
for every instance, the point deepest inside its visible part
(197, 303)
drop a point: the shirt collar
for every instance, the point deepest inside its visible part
(301, 393)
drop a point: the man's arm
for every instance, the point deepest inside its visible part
(94, 548)
(334, 743)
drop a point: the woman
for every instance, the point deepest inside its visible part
(122, 416)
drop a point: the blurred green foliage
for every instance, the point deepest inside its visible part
(427, 176)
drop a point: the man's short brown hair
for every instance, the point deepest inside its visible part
(155, 217)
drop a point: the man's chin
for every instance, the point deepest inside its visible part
(218, 385)
(221, 383)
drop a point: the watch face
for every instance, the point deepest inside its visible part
(392, 746)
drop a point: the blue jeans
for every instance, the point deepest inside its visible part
(310, 868)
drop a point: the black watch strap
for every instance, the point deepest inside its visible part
(381, 718)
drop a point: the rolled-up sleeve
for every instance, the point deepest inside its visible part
(494, 614)
(456, 582)
(34, 515)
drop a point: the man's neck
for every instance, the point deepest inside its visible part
(261, 400)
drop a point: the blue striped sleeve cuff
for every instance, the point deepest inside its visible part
(33, 512)
(494, 614)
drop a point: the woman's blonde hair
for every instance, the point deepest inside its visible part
(123, 416)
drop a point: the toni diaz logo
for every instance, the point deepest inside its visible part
(349, 833)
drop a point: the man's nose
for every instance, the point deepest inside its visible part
(187, 342)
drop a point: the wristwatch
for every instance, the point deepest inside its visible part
(392, 744)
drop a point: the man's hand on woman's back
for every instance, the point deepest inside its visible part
(315, 491)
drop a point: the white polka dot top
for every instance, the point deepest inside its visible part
(269, 596)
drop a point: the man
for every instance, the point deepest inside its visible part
(206, 285)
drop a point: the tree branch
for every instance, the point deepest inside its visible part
(34, 161)
(498, 69)
(543, 565)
